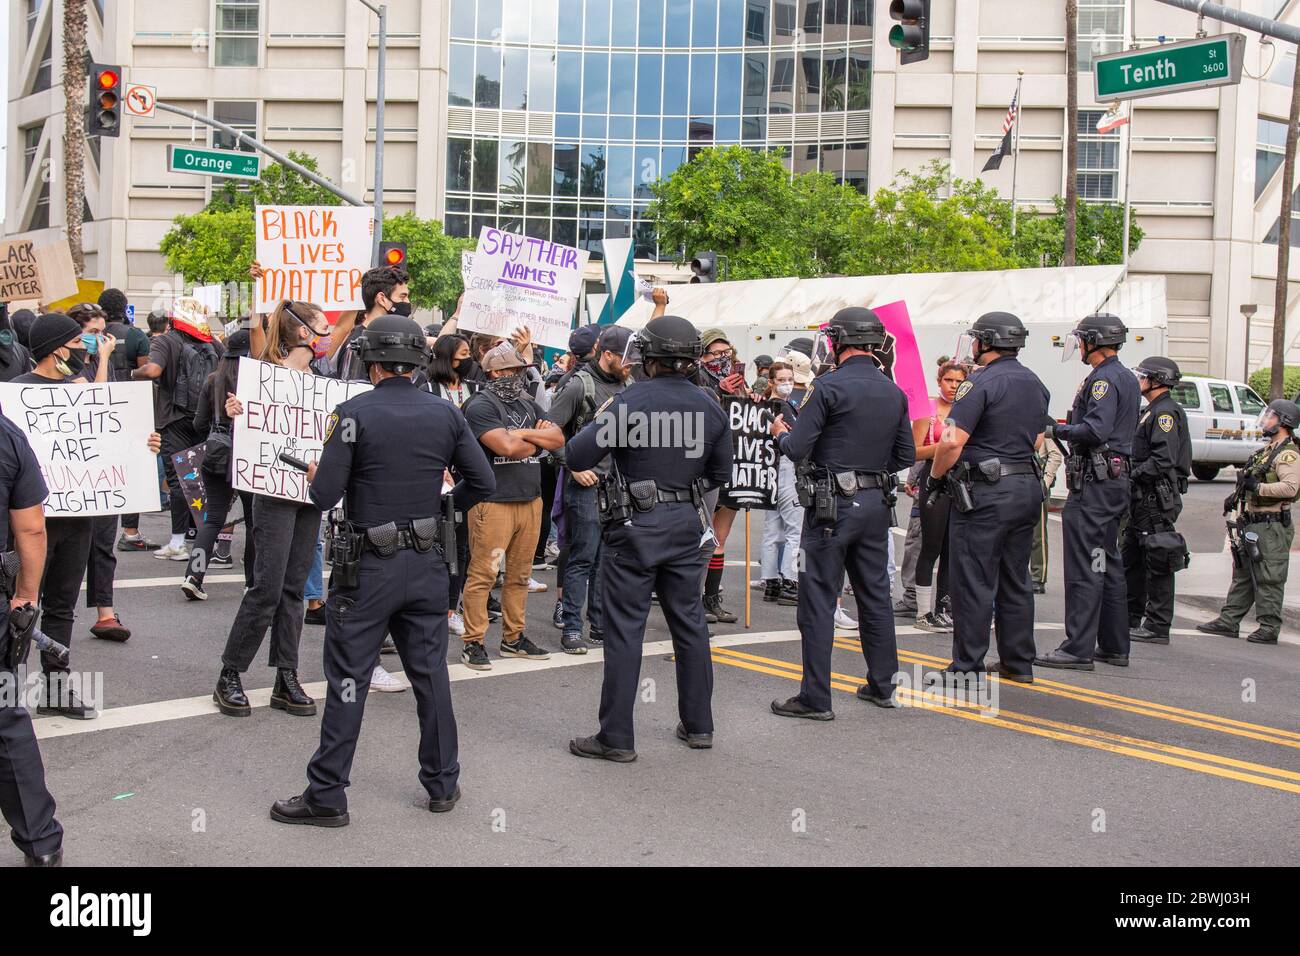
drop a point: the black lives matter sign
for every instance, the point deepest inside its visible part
(20, 272)
(754, 456)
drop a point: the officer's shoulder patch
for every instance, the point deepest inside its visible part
(608, 402)
(963, 390)
(1287, 458)
(1099, 390)
(330, 424)
(1166, 422)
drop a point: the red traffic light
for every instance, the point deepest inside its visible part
(392, 254)
(108, 79)
(394, 257)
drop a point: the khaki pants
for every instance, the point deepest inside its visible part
(500, 530)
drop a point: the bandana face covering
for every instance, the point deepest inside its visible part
(717, 368)
(507, 388)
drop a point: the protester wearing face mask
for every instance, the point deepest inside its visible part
(513, 434)
(782, 527)
(60, 353)
(15, 359)
(285, 534)
(720, 373)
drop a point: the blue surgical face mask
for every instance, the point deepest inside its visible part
(6, 337)
(91, 341)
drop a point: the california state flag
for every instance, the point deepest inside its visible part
(1118, 115)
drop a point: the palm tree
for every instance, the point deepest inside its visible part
(1071, 128)
(1284, 245)
(74, 134)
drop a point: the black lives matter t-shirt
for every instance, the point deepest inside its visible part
(517, 479)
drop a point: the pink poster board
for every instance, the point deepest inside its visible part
(908, 369)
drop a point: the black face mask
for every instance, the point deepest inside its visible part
(74, 363)
(401, 308)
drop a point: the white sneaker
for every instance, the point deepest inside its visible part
(534, 586)
(455, 624)
(385, 682)
(843, 622)
(169, 553)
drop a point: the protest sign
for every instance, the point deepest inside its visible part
(901, 359)
(210, 296)
(284, 411)
(189, 473)
(754, 457)
(313, 254)
(516, 280)
(92, 442)
(36, 272)
(466, 266)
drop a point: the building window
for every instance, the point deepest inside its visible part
(1283, 72)
(31, 141)
(41, 211)
(45, 71)
(240, 114)
(33, 10)
(1270, 147)
(1274, 233)
(1098, 176)
(1101, 30)
(238, 33)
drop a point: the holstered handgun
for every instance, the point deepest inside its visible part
(613, 503)
(1074, 468)
(21, 631)
(1165, 495)
(344, 548)
(1098, 463)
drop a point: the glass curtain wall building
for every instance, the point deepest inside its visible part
(562, 113)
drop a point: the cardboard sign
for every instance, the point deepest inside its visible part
(754, 461)
(313, 254)
(515, 280)
(92, 442)
(284, 411)
(901, 359)
(35, 271)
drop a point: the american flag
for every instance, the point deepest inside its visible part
(1010, 121)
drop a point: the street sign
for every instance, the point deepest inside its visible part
(1169, 68)
(140, 100)
(213, 162)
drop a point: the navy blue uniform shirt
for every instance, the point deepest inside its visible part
(1003, 407)
(853, 419)
(1162, 447)
(387, 449)
(665, 428)
(21, 484)
(1105, 411)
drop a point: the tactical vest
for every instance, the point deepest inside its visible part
(1263, 463)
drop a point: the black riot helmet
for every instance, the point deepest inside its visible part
(1287, 415)
(395, 342)
(992, 331)
(1096, 331)
(1160, 371)
(855, 327)
(669, 339)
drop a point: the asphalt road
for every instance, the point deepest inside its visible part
(1189, 756)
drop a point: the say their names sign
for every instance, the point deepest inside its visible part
(284, 411)
(313, 254)
(92, 442)
(521, 281)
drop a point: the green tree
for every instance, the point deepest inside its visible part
(278, 186)
(1099, 236)
(432, 258)
(210, 246)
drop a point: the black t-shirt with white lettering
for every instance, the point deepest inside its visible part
(517, 480)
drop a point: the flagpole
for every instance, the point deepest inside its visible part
(1015, 162)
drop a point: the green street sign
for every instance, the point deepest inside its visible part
(213, 162)
(1169, 68)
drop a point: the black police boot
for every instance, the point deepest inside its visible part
(58, 699)
(1144, 636)
(715, 613)
(771, 590)
(287, 695)
(1114, 660)
(694, 741)
(298, 810)
(794, 707)
(1260, 636)
(1061, 660)
(229, 695)
(593, 748)
(871, 697)
(1006, 673)
(789, 596)
(1217, 627)
(46, 859)
(443, 806)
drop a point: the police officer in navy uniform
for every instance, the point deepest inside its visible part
(385, 454)
(665, 548)
(1100, 435)
(24, 799)
(988, 445)
(1162, 464)
(853, 430)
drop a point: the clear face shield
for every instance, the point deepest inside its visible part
(823, 352)
(1268, 423)
(967, 351)
(1073, 348)
(632, 352)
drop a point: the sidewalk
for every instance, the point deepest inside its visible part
(1204, 585)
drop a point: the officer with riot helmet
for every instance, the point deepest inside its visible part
(669, 442)
(1162, 463)
(1262, 533)
(852, 435)
(1100, 435)
(385, 454)
(986, 462)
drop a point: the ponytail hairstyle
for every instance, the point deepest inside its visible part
(282, 332)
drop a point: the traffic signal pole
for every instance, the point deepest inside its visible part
(1248, 21)
(261, 147)
(380, 11)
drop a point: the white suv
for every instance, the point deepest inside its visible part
(1222, 417)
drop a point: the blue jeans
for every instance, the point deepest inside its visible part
(582, 533)
(315, 589)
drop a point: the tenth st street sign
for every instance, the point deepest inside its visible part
(1169, 68)
(213, 162)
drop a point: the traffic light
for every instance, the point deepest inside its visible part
(910, 36)
(705, 267)
(392, 254)
(104, 115)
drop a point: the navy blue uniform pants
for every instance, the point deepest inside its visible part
(25, 801)
(1096, 595)
(856, 544)
(405, 595)
(660, 552)
(988, 567)
(1150, 593)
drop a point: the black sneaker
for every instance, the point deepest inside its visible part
(771, 590)
(474, 656)
(573, 644)
(220, 560)
(523, 647)
(493, 608)
(596, 638)
(315, 615)
(58, 699)
(557, 616)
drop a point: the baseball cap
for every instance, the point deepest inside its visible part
(709, 336)
(763, 361)
(238, 343)
(800, 365)
(613, 338)
(583, 339)
(501, 357)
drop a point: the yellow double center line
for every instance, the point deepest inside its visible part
(1155, 751)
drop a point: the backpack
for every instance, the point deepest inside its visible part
(587, 410)
(120, 364)
(198, 361)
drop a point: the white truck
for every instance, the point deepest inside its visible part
(1223, 418)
